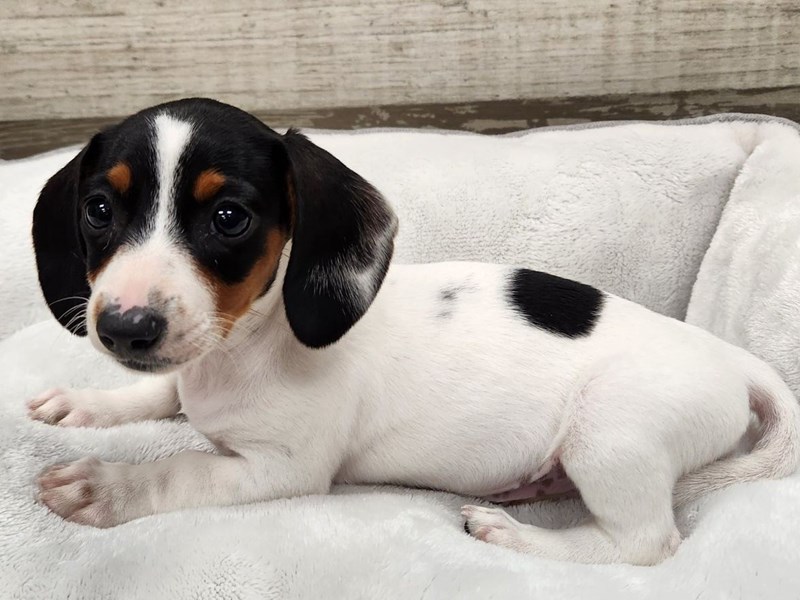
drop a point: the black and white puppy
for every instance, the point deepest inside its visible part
(251, 272)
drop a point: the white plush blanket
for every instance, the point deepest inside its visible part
(701, 216)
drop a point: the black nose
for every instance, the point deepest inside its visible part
(132, 333)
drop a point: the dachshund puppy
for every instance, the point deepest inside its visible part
(249, 274)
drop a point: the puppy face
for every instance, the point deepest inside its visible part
(171, 224)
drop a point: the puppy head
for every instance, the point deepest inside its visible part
(166, 228)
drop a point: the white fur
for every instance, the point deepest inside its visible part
(171, 137)
(473, 402)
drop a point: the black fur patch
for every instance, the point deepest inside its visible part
(557, 305)
(60, 254)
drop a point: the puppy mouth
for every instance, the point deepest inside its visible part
(148, 365)
(161, 364)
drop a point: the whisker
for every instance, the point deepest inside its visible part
(75, 319)
(258, 313)
(219, 342)
(79, 313)
(210, 339)
(86, 300)
(73, 309)
(220, 319)
(213, 339)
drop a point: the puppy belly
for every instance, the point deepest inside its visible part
(553, 484)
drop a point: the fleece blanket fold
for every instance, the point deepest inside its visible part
(748, 287)
(694, 219)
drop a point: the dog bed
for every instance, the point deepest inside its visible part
(697, 219)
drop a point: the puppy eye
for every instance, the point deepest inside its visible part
(98, 212)
(231, 220)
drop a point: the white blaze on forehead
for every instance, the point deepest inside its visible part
(171, 139)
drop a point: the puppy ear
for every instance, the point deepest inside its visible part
(342, 242)
(60, 255)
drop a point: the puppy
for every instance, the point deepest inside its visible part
(249, 272)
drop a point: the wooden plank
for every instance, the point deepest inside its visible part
(24, 138)
(94, 58)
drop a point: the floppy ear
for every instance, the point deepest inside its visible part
(342, 242)
(60, 256)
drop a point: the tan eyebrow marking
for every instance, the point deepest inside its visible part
(119, 176)
(207, 184)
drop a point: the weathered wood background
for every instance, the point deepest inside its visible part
(484, 65)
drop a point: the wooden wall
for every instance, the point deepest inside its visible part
(88, 59)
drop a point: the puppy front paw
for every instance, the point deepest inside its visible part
(88, 491)
(70, 408)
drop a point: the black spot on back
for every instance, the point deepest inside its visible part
(558, 305)
(449, 294)
(448, 297)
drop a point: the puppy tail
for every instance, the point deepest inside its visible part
(776, 452)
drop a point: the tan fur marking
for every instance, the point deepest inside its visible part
(207, 184)
(119, 176)
(233, 301)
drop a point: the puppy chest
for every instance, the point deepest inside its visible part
(212, 403)
(252, 416)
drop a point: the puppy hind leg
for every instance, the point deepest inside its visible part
(630, 500)
(632, 519)
(625, 476)
(620, 452)
(586, 543)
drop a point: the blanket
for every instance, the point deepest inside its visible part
(694, 219)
